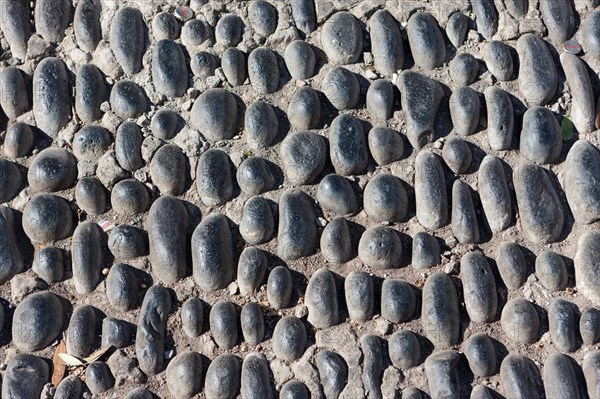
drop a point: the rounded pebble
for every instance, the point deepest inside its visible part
(128, 146)
(404, 349)
(184, 375)
(430, 191)
(164, 124)
(479, 287)
(18, 140)
(494, 193)
(263, 70)
(90, 92)
(385, 145)
(589, 326)
(498, 60)
(222, 377)
(37, 322)
(341, 88)
(98, 378)
(457, 155)
(321, 300)
(279, 287)
(129, 197)
(81, 332)
(359, 292)
(252, 323)
(254, 176)
(257, 225)
(228, 31)
(52, 99)
(91, 142)
(297, 233)
(127, 99)
(386, 43)
(398, 301)
(333, 373)
(53, 169)
(551, 271)
(251, 270)
(127, 39)
(214, 114)
(380, 99)
(169, 70)
(304, 109)
(192, 317)
(561, 321)
(336, 244)
(167, 169)
(214, 180)
(300, 60)
(464, 110)
(425, 251)
(47, 218)
(260, 125)
(49, 264)
(426, 41)
(520, 321)
(289, 338)
(464, 69)
(347, 146)
(481, 355)
(342, 38)
(336, 194)
(122, 287)
(464, 218)
(380, 247)
(439, 314)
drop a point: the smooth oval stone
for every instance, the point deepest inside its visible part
(127, 99)
(520, 377)
(426, 41)
(342, 39)
(214, 114)
(233, 63)
(127, 39)
(263, 70)
(441, 369)
(300, 59)
(303, 13)
(464, 218)
(380, 100)
(494, 193)
(10, 178)
(167, 169)
(252, 323)
(372, 364)
(463, 69)
(430, 191)
(15, 98)
(49, 264)
(196, 33)
(151, 330)
(16, 26)
(25, 377)
(289, 338)
(551, 270)
(260, 125)
(11, 261)
(254, 176)
(297, 233)
(279, 287)
(184, 375)
(481, 355)
(385, 145)
(212, 253)
(559, 378)
(91, 142)
(165, 26)
(591, 371)
(90, 93)
(511, 265)
(18, 140)
(500, 119)
(52, 99)
(481, 392)
(581, 188)
(589, 326)
(86, 25)
(122, 287)
(479, 287)
(321, 300)
(192, 317)
(561, 321)
(517, 8)
(360, 298)
(98, 377)
(294, 389)
(304, 109)
(425, 251)
(457, 155)
(228, 31)
(139, 393)
(125, 243)
(498, 60)
(333, 373)
(464, 110)
(129, 197)
(336, 244)
(457, 28)
(347, 146)
(52, 19)
(421, 97)
(257, 224)
(538, 80)
(115, 332)
(262, 16)
(214, 180)
(398, 301)
(440, 314)
(167, 237)
(486, 18)
(222, 377)
(37, 322)
(386, 43)
(70, 387)
(164, 124)
(53, 169)
(540, 210)
(541, 140)
(86, 257)
(255, 382)
(586, 259)
(520, 321)
(559, 20)
(342, 89)
(404, 349)
(47, 218)
(169, 71)
(336, 194)
(590, 34)
(380, 247)
(81, 332)
(128, 146)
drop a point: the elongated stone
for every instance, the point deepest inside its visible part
(252, 323)
(233, 63)
(342, 88)
(540, 210)
(47, 218)
(127, 39)
(300, 59)
(538, 78)
(404, 349)
(303, 13)
(52, 19)
(169, 71)
(495, 195)
(342, 38)
(128, 142)
(214, 114)
(129, 197)
(591, 371)
(380, 99)
(279, 287)
(167, 169)
(16, 26)
(18, 140)
(441, 369)
(260, 125)
(586, 261)
(464, 218)
(263, 70)
(456, 28)
(440, 314)
(551, 271)
(304, 109)
(289, 338)
(257, 225)
(86, 257)
(385, 145)
(297, 233)
(25, 377)
(86, 25)
(127, 99)
(517, 8)
(228, 31)
(520, 321)
(559, 20)
(372, 364)
(457, 155)
(11, 181)
(426, 41)
(333, 373)
(37, 322)
(359, 292)
(425, 251)
(487, 18)
(214, 180)
(15, 95)
(559, 378)
(464, 110)
(500, 119)
(262, 16)
(70, 387)
(591, 35)
(151, 330)
(336, 194)
(164, 124)
(380, 247)
(223, 377)
(348, 148)
(167, 227)
(386, 43)
(294, 389)
(430, 191)
(91, 142)
(498, 60)
(98, 377)
(184, 375)
(582, 106)
(421, 97)
(541, 141)
(479, 287)
(81, 332)
(511, 265)
(336, 244)
(122, 287)
(589, 326)
(212, 253)
(581, 189)
(481, 355)
(53, 169)
(398, 301)
(255, 381)
(192, 317)
(115, 332)
(321, 300)
(49, 264)
(254, 176)
(52, 100)
(561, 321)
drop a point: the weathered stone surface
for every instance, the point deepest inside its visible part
(404, 349)
(91, 142)
(517, 8)
(441, 369)
(591, 371)
(333, 373)
(212, 253)
(336, 244)
(49, 264)
(464, 219)
(372, 364)
(252, 323)
(336, 194)
(260, 125)
(151, 330)
(456, 28)
(386, 43)
(498, 60)
(262, 16)
(582, 105)
(233, 63)
(214, 180)
(520, 377)
(52, 100)
(164, 124)
(16, 26)
(254, 176)
(347, 144)
(464, 69)
(15, 94)
(457, 155)
(223, 377)
(304, 109)
(98, 377)
(122, 287)
(228, 31)
(86, 257)
(481, 355)
(430, 191)
(426, 41)
(47, 218)
(380, 99)
(214, 114)
(263, 70)
(359, 292)
(70, 387)
(192, 317)
(52, 19)
(481, 392)
(380, 247)
(53, 169)
(11, 181)
(255, 381)
(169, 70)
(479, 287)
(297, 233)
(198, 34)
(279, 287)
(559, 378)
(398, 301)
(487, 18)
(581, 189)
(300, 59)
(520, 321)
(321, 300)
(559, 20)
(495, 195)
(129, 197)
(294, 389)
(257, 225)
(385, 145)
(184, 374)
(589, 326)
(511, 265)
(425, 251)
(586, 261)
(127, 39)
(540, 140)
(464, 110)
(342, 89)
(25, 377)
(167, 169)
(165, 26)
(440, 314)
(342, 38)
(551, 271)
(86, 25)
(500, 119)
(591, 35)
(561, 321)
(538, 78)
(81, 332)
(289, 338)
(37, 322)
(18, 140)
(127, 99)
(90, 93)
(303, 13)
